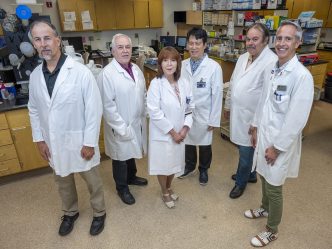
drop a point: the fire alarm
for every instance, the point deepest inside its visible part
(49, 4)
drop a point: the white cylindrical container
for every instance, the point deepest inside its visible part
(69, 50)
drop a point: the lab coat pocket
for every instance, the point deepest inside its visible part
(129, 135)
(74, 140)
(280, 103)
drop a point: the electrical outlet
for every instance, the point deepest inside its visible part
(136, 35)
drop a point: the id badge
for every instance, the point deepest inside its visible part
(201, 84)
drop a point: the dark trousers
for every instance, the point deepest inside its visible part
(123, 173)
(205, 157)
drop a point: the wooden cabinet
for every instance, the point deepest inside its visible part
(101, 138)
(129, 14)
(318, 74)
(194, 17)
(105, 12)
(27, 151)
(149, 74)
(329, 17)
(79, 7)
(125, 15)
(141, 14)
(327, 56)
(321, 8)
(9, 163)
(227, 68)
(156, 15)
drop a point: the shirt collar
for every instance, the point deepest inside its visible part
(126, 67)
(61, 61)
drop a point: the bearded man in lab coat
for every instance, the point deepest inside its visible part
(205, 76)
(65, 112)
(245, 88)
(283, 111)
(123, 92)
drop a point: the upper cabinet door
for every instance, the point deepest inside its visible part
(141, 13)
(329, 18)
(87, 15)
(320, 7)
(125, 14)
(105, 12)
(156, 13)
(289, 6)
(69, 7)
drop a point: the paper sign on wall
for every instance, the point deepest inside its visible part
(85, 16)
(69, 16)
(87, 25)
(69, 26)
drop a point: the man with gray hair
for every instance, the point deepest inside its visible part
(283, 111)
(65, 112)
(123, 92)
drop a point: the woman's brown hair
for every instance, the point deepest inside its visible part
(165, 53)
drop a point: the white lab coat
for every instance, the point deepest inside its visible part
(69, 119)
(165, 156)
(124, 102)
(244, 91)
(280, 121)
(207, 85)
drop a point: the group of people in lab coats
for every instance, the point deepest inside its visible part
(268, 103)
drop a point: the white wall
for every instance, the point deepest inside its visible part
(100, 38)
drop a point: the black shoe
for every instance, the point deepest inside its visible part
(203, 177)
(236, 192)
(127, 197)
(67, 224)
(139, 181)
(186, 173)
(97, 225)
(254, 180)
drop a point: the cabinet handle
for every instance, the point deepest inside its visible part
(19, 128)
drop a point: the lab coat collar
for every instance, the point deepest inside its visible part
(202, 65)
(168, 86)
(291, 64)
(257, 60)
(120, 69)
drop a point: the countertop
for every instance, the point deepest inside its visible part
(325, 49)
(8, 105)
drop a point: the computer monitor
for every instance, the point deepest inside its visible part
(181, 41)
(77, 42)
(167, 40)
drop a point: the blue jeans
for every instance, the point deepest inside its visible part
(243, 173)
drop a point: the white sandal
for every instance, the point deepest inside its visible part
(174, 196)
(169, 204)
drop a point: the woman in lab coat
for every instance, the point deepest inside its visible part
(170, 104)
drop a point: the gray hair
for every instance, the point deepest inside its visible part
(118, 35)
(298, 28)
